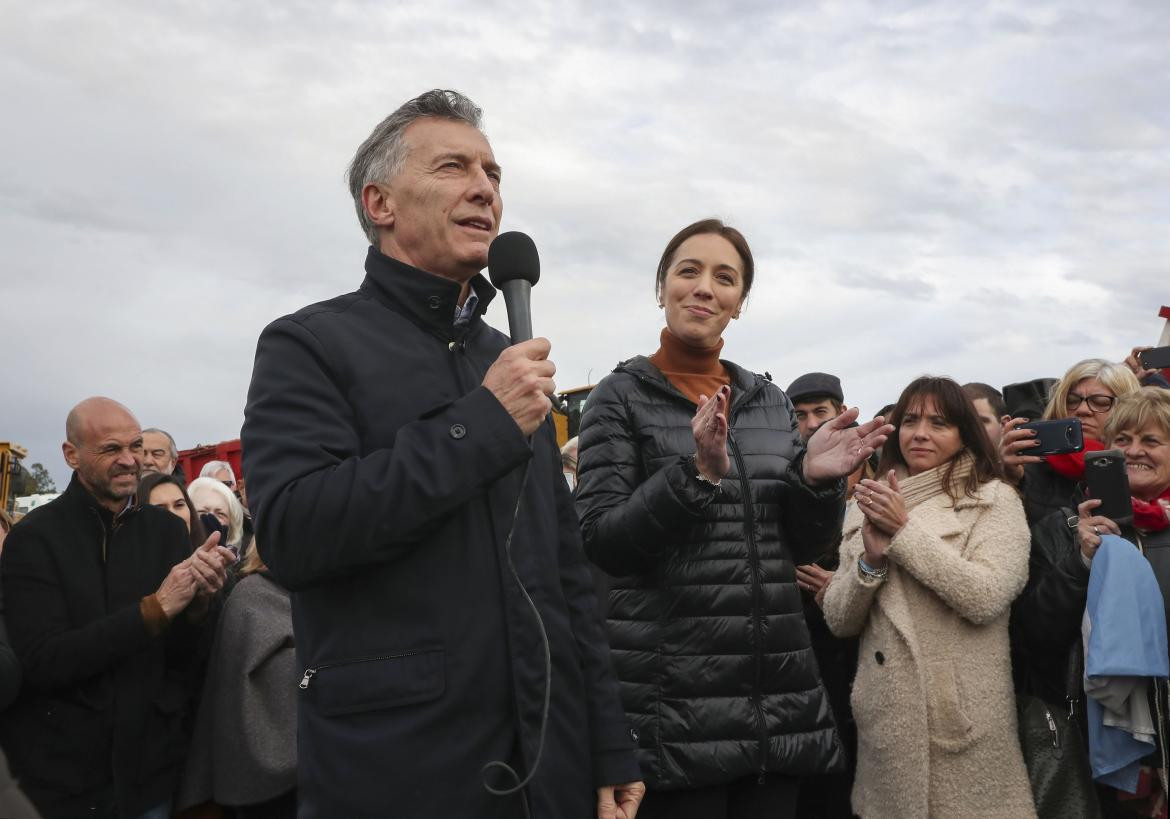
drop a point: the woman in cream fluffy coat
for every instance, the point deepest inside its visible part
(930, 563)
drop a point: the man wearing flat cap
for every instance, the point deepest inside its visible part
(817, 398)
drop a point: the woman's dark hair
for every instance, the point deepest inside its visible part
(153, 481)
(953, 404)
(717, 227)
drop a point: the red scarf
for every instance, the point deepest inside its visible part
(1147, 516)
(1151, 516)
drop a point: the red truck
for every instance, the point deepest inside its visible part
(192, 460)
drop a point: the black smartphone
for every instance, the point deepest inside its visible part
(1058, 437)
(1155, 358)
(1105, 476)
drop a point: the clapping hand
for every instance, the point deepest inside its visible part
(815, 580)
(836, 449)
(882, 504)
(209, 565)
(710, 428)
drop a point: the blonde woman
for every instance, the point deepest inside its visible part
(1087, 392)
(213, 497)
(1048, 615)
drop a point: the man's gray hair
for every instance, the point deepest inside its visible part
(211, 467)
(167, 435)
(381, 157)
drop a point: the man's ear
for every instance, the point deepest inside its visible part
(71, 455)
(379, 205)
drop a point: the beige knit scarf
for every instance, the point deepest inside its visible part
(925, 485)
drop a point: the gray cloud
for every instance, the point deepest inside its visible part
(970, 189)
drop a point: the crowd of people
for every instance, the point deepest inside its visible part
(724, 599)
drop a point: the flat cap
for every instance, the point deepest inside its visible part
(812, 385)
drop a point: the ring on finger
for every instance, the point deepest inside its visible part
(1096, 531)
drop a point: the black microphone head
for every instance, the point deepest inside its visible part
(513, 256)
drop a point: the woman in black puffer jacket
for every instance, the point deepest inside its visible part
(697, 497)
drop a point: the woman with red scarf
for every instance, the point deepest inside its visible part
(1046, 619)
(1087, 392)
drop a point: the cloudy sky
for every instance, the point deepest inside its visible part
(973, 189)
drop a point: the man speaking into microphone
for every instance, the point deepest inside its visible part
(406, 486)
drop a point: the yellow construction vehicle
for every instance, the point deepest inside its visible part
(568, 425)
(10, 456)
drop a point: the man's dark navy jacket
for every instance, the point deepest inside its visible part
(99, 724)
(383, 477)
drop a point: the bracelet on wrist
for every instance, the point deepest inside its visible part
(868, 572)
(693, 468)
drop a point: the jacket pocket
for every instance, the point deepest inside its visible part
(950, 726)
(164, 743)
(370, 683)
(68, 745)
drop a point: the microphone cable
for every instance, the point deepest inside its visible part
(504, 767)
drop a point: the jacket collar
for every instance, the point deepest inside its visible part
(80, 498)
(744, 383)
(428, 300)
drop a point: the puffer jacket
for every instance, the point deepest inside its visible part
(705, 622)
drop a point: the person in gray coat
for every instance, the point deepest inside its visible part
(244, 748)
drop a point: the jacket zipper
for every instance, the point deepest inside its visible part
(311, 672)
(757, 605)
(753, 556)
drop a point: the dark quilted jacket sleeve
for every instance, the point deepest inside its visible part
(812, 515)
(1046, 618)
(627, 517)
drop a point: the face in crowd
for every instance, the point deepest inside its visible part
(170, 497)
(992, 424)
(1091, 402)
(1147, 459)
(703, 289)
(225, 477)
(104, 446)
(210, 502)
(926, 437)
(156, 453)
(810, 415)
(442, 211)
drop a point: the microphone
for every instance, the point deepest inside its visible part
(513, 267)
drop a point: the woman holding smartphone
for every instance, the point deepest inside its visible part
(698, 498)
(1047, 617)
(1087, 392)
(932, 557)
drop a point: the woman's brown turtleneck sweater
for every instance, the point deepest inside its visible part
(693, 371)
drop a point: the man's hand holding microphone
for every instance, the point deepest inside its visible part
(521, 379)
